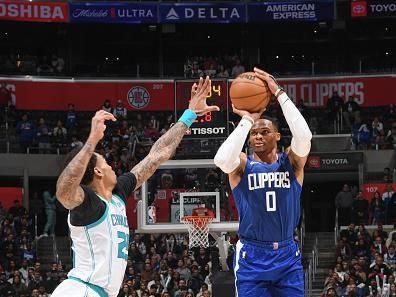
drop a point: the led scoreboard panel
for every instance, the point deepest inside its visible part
(212, 124)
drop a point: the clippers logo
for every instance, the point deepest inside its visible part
(138, 97)
(313, 162)
(359, 9)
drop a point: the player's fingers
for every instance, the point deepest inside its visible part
(234, 109)
(258, 70)
(262, 74)
(193, 89)
(108, 117)
(262, 110)
(200, 82)
(204, 87)
(208, 87)
(212, 108)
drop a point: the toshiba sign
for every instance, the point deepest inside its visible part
(34, 11)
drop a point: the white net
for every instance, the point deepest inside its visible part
(198, 230)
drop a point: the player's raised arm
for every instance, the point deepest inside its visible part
(166, 145)
(229, 157)
(68, 190)
(301, 134)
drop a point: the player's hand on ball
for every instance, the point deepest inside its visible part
(268, 78)
(198, 97)
(98, 124)
(241, 113)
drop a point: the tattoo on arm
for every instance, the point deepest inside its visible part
(162, 150)
(68, 190)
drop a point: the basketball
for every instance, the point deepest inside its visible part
(250, 93)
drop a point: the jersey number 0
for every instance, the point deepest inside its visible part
(270, 200)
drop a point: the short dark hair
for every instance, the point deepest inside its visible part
(274, 121)
(89, 171)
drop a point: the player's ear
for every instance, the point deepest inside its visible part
(278, 136)
(98, 172)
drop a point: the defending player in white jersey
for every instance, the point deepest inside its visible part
(96, 200)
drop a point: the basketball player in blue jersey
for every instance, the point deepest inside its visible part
(266, 186)
(96, 200)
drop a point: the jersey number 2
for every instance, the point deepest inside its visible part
(270, 200)
(123, 245)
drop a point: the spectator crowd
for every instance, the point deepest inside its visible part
(158, 265)
(365, 264)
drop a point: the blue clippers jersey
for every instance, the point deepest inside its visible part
(268, 200)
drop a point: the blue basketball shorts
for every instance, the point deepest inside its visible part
(268, 269)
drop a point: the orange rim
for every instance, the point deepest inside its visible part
(197, 221)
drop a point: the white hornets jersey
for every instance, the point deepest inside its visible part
(100, 250)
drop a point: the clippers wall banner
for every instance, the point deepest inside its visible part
(373, 8)
(366, 90)
(291, 11)
(156, 95)
(25, 11)
(202, 13)
(334, 161)
(90, 95)
(135, 13)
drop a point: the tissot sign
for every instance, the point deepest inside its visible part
(334, 161)
(203, 131)
(373, 8)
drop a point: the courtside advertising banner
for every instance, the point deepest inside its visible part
(109, 12)
(291, 11)
(25, 11)
(203, 13)
(89, 96)
(373, 8)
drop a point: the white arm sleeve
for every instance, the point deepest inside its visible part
(301, 140)
(227, 157)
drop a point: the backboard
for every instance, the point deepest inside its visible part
(176, 189)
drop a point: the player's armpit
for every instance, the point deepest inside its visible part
(162, 150)
(298, 164)
(234, 177)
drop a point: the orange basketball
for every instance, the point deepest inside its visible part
(250, 93)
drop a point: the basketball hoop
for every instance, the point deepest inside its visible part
(198, 229)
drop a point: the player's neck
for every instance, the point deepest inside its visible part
(102, 191)
(266, 157)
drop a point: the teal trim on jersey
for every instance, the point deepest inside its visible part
(100, 220)
(74, 256)
(99, 290)
(86, 291)
(113, 202)
(110, 252)
(119, 198)
(92, 253)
